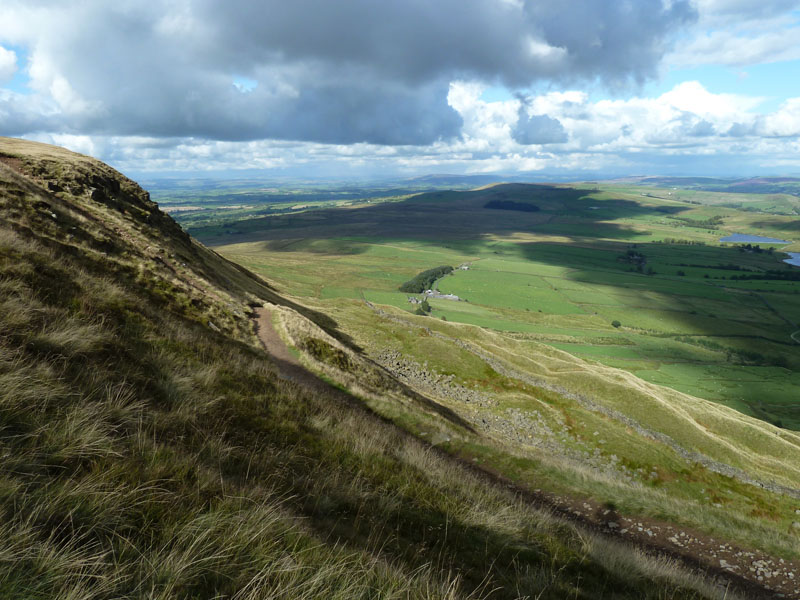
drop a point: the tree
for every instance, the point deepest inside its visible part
(615, 323)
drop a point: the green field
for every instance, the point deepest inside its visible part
(701, 317)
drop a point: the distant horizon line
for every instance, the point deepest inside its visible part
(258, 175)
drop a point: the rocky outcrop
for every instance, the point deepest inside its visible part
(429, 382)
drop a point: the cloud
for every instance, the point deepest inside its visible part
(739, 129)
(21, 115)
(395, 85)
(785, 122)
(687, 119)
(8, 64)
(687, 128)
(737, 33)
(537, 129)
(737, 48)
(336, 72)
(744, 10)
(702, 128)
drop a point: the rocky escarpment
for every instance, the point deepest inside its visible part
(66, 177)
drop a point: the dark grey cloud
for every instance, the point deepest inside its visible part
(338, 71)
(19, 115)
(419, 40)
(615, 41)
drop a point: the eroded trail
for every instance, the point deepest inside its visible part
(289, 367)
(752, 573)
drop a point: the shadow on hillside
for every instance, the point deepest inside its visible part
(415, 530)
(437, 215)
(776, 225)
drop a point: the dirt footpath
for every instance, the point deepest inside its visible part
(289, 367)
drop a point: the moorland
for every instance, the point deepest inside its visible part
(177, 425)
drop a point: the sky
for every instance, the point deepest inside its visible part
(371, 88)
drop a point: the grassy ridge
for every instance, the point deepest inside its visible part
(546, 438)
(151, 450)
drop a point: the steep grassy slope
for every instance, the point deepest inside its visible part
(149, 449)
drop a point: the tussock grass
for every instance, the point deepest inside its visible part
(148, 454)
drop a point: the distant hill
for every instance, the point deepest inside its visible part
(456, 180)
(752, 185)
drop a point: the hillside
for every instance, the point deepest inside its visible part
(153, 448)
(683, 410)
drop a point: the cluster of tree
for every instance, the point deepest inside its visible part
(423, 309)
(511, 205)
(787, 275)
(679, 241)
(425, 280)
(710, 223)
(755, 248)
(633, 256)
(637, 259)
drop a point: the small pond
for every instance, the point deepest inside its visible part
(746, 238)
(794, 259)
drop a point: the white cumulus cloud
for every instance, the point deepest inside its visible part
(785, 122)
(8, 64)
